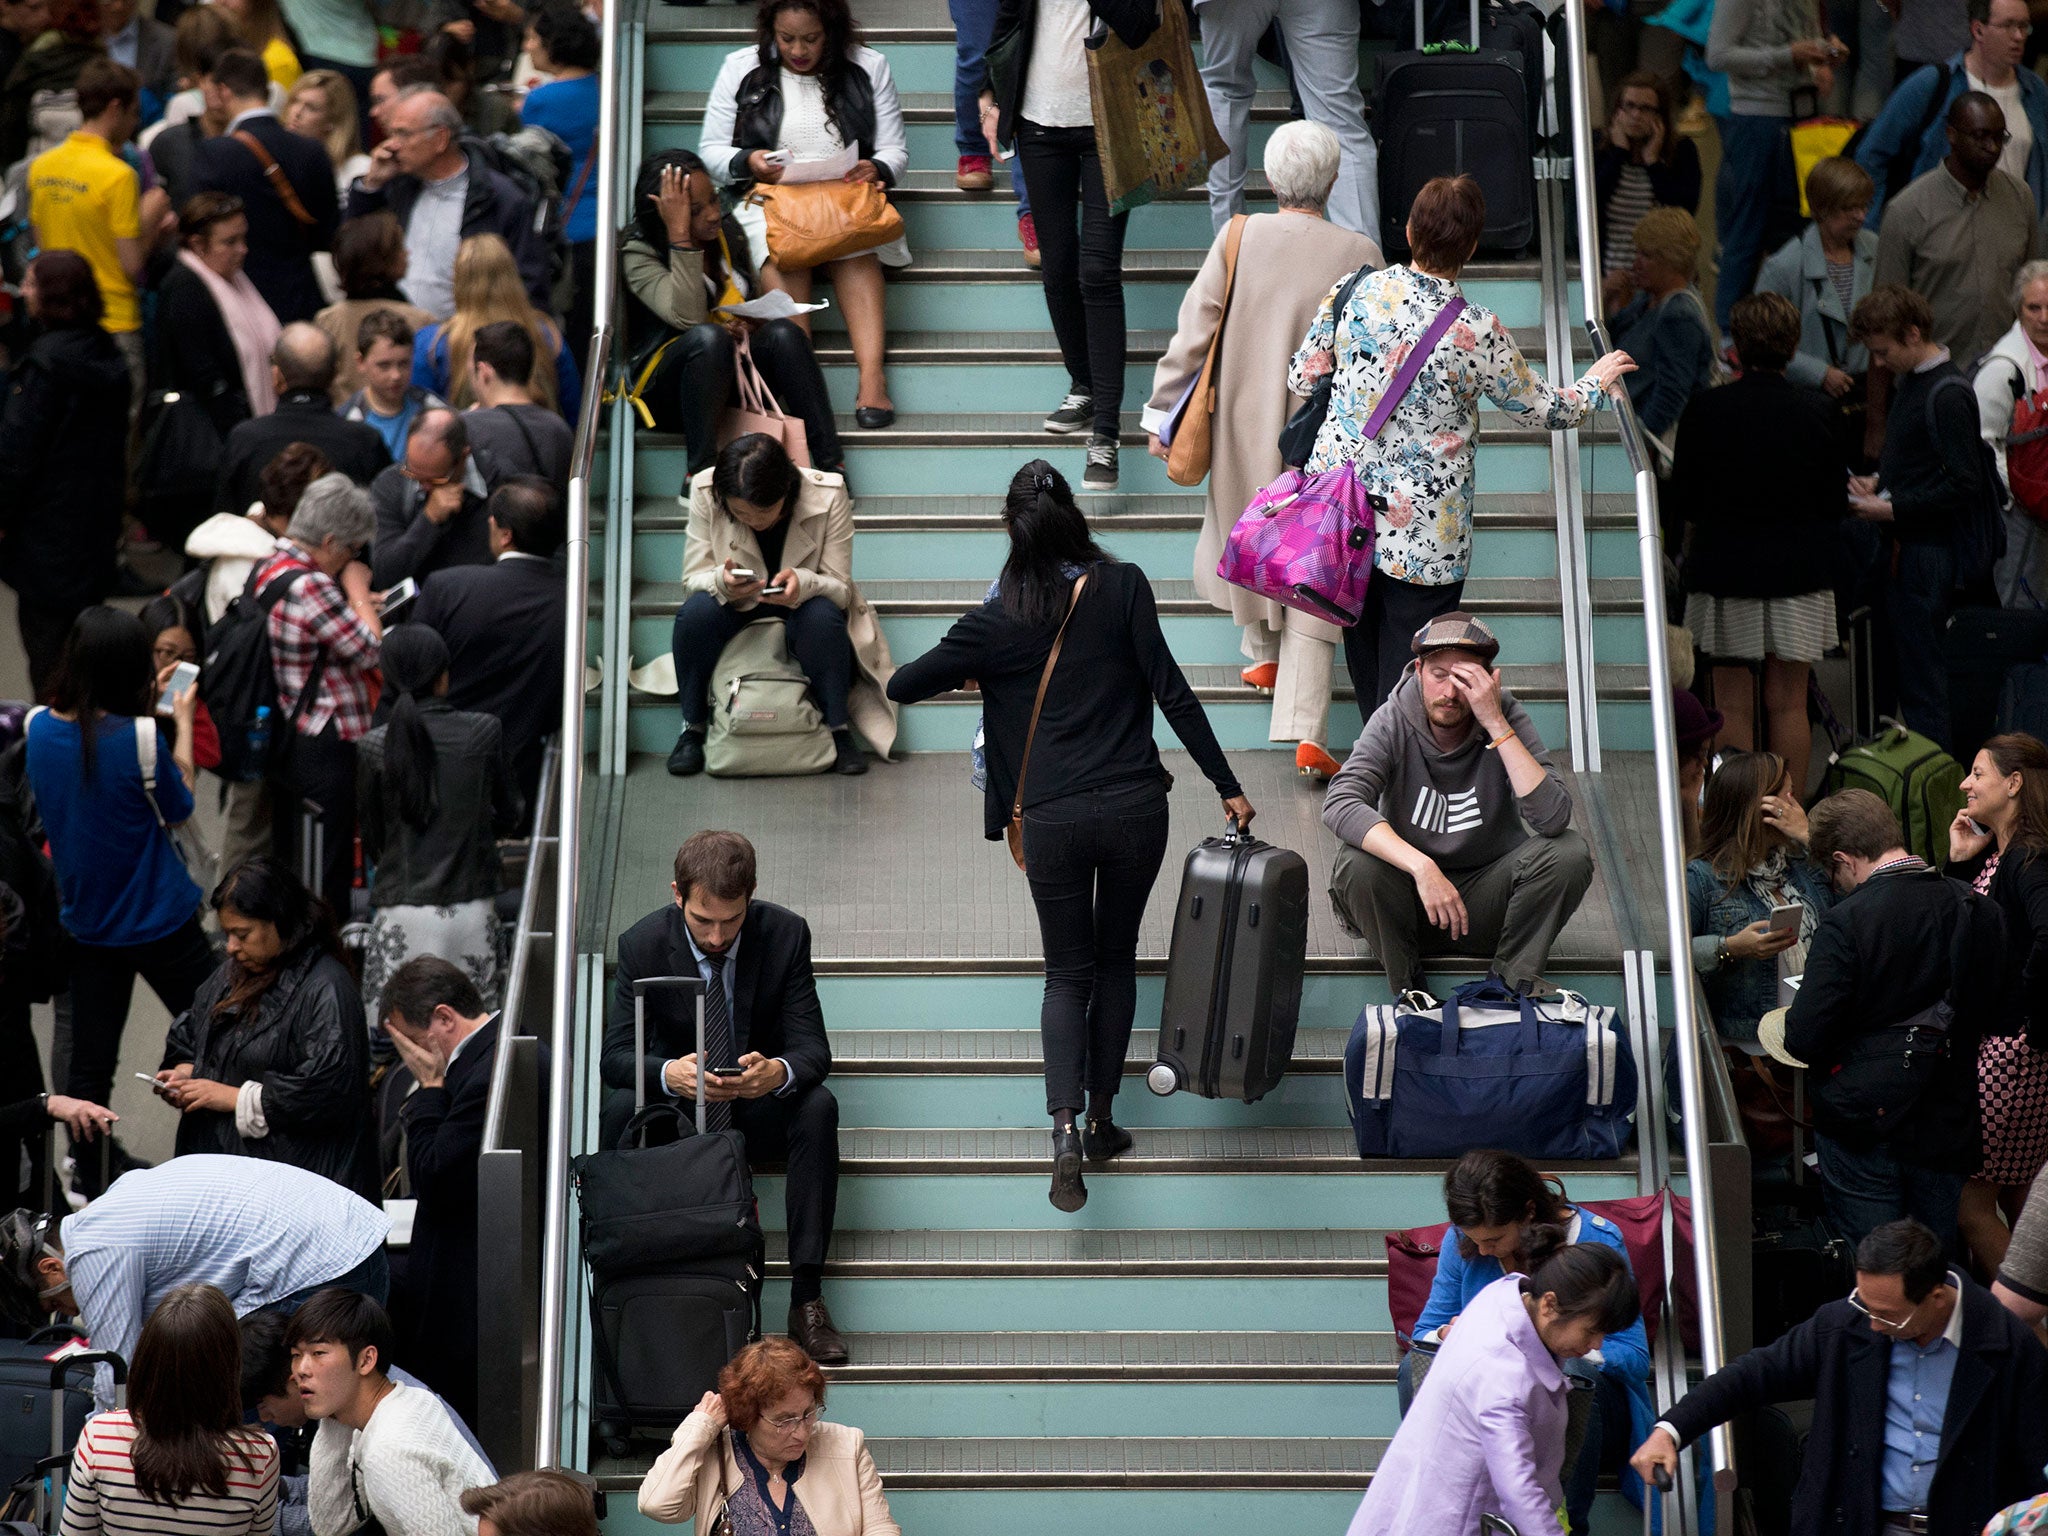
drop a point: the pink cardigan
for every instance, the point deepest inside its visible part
(1485, 1435)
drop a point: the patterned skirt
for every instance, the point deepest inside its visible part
(468, 934)
(2012, 1088)
(1750, 628)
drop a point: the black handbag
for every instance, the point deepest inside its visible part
(1298, 437)
(179, 464)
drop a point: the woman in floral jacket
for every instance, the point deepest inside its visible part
(1420, 465)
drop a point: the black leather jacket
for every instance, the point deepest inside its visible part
(456, 858)
(757, 115)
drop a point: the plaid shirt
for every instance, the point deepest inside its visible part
(315, 613)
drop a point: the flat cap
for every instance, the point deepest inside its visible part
(1456, 630)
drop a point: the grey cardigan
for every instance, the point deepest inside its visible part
(1751, 41)
(1799, 271)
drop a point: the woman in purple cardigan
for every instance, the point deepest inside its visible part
(1486, 1434)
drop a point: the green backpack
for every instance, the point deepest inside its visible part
(1920, 782)
(764, 719)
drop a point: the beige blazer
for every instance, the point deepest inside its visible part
(819, 548)
(840, 1489)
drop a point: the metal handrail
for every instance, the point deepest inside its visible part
(1664, 735)
(523, 938)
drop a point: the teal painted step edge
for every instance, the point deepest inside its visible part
(935, 1304)
(932, 1099)
(1035, 1409)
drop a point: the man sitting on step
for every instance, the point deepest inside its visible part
(1450, 813)
(761, 1016)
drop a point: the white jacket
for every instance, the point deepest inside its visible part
(2003, 375)
(235, 544)
(411, 1461)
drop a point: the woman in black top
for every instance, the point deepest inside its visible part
(1094, 794)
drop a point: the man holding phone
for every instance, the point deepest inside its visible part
(767, 1057)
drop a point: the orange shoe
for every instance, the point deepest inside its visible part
(1312, 762)
(1262, 676)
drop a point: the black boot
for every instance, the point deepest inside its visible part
(850, 758)
(688, 757)
(1104, 1139)
(1068, 1193)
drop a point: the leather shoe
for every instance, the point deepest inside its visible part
(872, 418)
(811, 1326)
(688, 757)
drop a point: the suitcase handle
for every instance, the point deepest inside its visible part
(60, 1370)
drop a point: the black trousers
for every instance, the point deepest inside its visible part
(1376, 647)
(706, 387)
(1091, 859)
(1081, 260)
(102, 984)
(44, 629)
(802, 1133)
(817, 643)
(317, 780)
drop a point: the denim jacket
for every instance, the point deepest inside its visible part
(1742, 991)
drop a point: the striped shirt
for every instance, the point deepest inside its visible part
(258, 1230)
(101, 1498)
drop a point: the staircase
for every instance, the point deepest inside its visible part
(1206, 1347)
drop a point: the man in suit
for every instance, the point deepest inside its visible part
(302, 367)
(430, 506)
(449, 1041)
(144, 45)
(284, 179)
(1926, 1399)
(762, 1019)
(504, 623)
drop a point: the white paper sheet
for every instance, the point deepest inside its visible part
(773, 304)
(831, 168)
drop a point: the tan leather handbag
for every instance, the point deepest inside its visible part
(1187, 456)
(815, 222)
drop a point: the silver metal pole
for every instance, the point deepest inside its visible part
(1582, 161)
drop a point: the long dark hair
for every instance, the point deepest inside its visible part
(647, 224)
(106, 666)
(184, 1393)
(842, 36)
(1734, 837)
(2023, 755)
(269, 890)
(415, 659)
(1589, 1280)
(1486, 1188)
(1047, 534)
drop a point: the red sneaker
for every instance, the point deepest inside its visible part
(1027, 231)
(973, 174)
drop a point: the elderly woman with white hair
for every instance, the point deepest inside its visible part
(324, 642)
(2015, 367)
(1287, 262)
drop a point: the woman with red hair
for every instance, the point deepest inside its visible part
(757, 1445)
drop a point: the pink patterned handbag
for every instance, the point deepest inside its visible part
(1305, 541)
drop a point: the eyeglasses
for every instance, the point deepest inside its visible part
(1856, 1301)
(1986, 135)
(2016, 28)
(425, 482)
(796, 1421)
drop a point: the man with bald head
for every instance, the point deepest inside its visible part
(442, 193)
(430, 505)
(1958, 234)
(301, 369)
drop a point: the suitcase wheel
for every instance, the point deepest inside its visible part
(1162, 1079)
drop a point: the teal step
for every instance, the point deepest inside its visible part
(1037, 345)
(928, 1301)
(938, 1100)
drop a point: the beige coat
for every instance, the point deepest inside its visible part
(1286, 264)
(840, 1489)
(819, 548)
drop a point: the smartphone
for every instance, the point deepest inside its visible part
(773, 589)
(183, 676)
(1785, 919)
(732, 1071)
(1977, 826)
(155, 1087)
(741, 573)
(397, 599)
(780, 157)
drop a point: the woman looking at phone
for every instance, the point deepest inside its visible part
(1742, 891)
(1999, 843)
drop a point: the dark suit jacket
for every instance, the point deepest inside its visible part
(504, 624)
(775, 996)
(355, 448)
(1994, 1437)
(280, 247)
(408, 544)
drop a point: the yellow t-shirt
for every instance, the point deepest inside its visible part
(282, 63)
(83, 197)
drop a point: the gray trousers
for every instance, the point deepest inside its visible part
(1322, 45)
(1517, 905)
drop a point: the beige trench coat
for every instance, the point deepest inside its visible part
(840, 1489)
(1286, 264)
(819, 548)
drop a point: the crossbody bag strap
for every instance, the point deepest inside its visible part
(1037, 704)
(1411, 365)
(1209, 363)
(274, 174)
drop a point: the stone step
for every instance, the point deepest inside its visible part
(1081, 1253)
(934, 1358)
(1018, 1052)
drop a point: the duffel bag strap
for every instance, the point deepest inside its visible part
(1382, 1028)
(1603, 1057)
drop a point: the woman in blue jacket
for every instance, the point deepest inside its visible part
(1497, 1202)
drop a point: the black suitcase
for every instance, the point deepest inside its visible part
(1798, 1263)
(2023, 700)
(1515, 27)
(1233, 974)
(43, 1406)
(1981, 648)
(1442, 111)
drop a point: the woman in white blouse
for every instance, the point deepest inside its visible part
(1419, 468)
(808, 90)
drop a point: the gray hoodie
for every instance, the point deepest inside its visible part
(1458, 806)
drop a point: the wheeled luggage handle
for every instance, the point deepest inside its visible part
(641, 987)
(1422, 37)
(60, 1370)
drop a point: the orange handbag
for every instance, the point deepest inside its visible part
(815, 222)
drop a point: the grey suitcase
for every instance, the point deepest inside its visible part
(1233, 974)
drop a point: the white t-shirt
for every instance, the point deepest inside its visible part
(1056, 83)
(807, 132)
(2020, 147)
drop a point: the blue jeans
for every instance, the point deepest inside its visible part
(1755, 183)
(372, 1277)
(1867, 1188)
(1918, 599)
(974, 24)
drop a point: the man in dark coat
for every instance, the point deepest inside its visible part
(1926, 1399)
(763, 1022)
(284, 179)
(504, 624)
(430, 509)
(302, 367)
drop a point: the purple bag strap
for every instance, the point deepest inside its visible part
(1411, 365)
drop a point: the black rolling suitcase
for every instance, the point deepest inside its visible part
(43, 1407)
(1981, 648)
(672, 1235)
(1233, 975)
(1447, 110)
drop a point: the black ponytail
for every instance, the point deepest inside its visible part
(415, 659)
(1047, 534)
(1589, 1280)
(1487, 1188)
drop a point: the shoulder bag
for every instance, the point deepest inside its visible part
(1298, 437)
(200, 862)
(1154, 133)
(759, 411)
(1186, 433)
(1015, 831)
(813, 222)
(274, 174)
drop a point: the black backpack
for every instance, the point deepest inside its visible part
(1979, 536)
(237, 680)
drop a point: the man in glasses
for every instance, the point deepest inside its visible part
(430, 505)
(1926, 1399)
(1958, 234)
